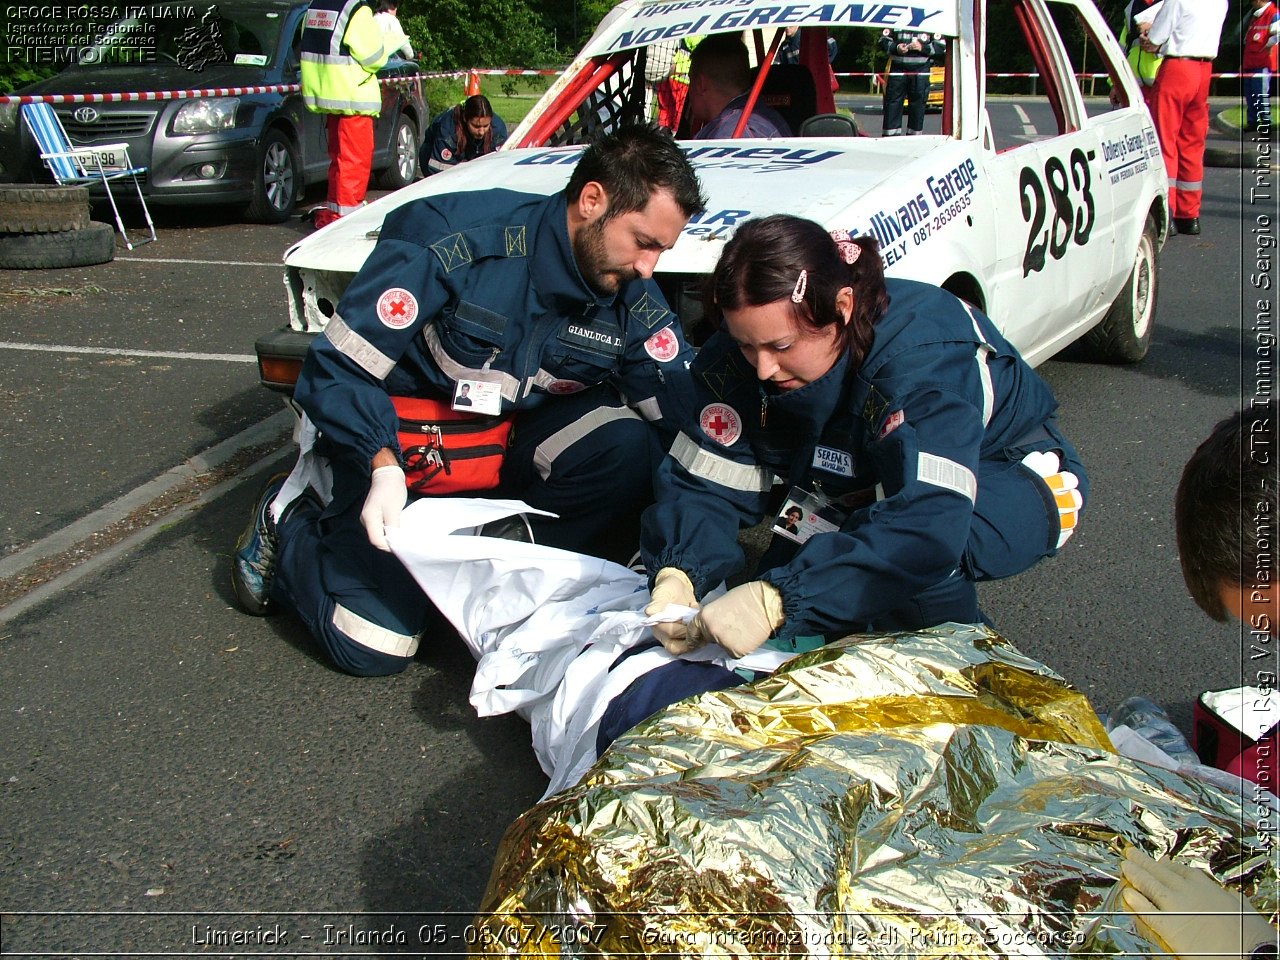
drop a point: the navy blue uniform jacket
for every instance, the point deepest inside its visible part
(941, 400)
(482, 286)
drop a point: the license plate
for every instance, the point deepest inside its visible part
(110, 159)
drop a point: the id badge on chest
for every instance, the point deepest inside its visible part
(477, 396)
(806, 513)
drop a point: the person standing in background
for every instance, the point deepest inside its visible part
(1258, 61)
(342, 51)
(1144, 63)
(390, 24)
(1186, 33)
(911, 54)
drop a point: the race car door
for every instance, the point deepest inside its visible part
(1054, 232)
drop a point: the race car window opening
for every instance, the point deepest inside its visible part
(607, 95)
(1045, 89)
(1087, 56)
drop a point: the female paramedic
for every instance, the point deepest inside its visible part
(920, 447)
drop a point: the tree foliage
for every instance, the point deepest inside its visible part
(457, 34)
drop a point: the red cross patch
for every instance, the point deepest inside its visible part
(397, 308)
(561, 387)
(896, 419)
(721, 423)
(663, 345)
(446, 153)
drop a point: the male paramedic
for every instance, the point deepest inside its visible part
(546, 300)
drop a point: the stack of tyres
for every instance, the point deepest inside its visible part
(48, 226)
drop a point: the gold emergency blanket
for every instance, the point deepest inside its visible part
(908, 795)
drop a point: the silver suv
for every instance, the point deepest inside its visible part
(255, 149)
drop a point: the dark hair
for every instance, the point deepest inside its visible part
(1226, 508)
(723, 59)
(472, 108)
(631, 165)
(761, 264)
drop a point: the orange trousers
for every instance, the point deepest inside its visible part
(1180, 109)
(350, 163)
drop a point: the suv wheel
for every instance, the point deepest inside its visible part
(404, 156)
(275, 184)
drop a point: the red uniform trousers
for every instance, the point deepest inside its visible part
(1180, 109)
(350, 163)
(671, 97)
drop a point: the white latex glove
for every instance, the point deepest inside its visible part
(742, 619)
(1186, 911)
(1063, 484)
(672, 586)
(387, 497)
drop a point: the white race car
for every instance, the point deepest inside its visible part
(1048, 212)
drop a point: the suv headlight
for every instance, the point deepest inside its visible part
(206, 115)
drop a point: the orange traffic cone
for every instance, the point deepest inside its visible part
(473, 83)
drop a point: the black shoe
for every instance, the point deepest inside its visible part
(1188, 225)
(254, 564)
(515, 528)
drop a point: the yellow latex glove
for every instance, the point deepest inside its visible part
(742, 619)
(671, 585)
(1186, 911)
(1063, 484)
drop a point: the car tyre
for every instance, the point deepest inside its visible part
(38, 209)
(1124, 335)
(276, 179)
(404, 156)
(96, 243)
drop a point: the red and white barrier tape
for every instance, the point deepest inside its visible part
(153, 95)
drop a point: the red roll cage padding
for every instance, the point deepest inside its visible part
(758, 85)
(813, 54)
(591, 76)
(1040, 54)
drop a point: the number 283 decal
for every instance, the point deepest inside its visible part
(1070, 203)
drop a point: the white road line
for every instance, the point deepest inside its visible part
(113, 352)
(276, 426)
(218, 263)
(1028, 128)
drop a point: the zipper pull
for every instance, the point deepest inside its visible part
(492, 357)
(764, 410)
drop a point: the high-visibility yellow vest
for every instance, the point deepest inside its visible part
(342, 51)
(1144, 64)
(683, 58)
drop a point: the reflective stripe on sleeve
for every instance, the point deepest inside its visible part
(941, 472)
(984, 351)
(369, 634)
(650, 409)
(707, 465)
(355, 347)
(509, 385)
(544, 457)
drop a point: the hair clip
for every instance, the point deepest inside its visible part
(802, 284)
(849, 251)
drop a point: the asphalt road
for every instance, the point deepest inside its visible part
(165, 756)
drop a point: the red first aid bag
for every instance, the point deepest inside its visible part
(1220, 742)
(447, 450)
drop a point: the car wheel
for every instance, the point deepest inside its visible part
(36, 209)
(404, 156)
(275, 184)
(1124, 335)
(96, 243)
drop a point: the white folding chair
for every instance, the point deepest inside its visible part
(83, 166)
